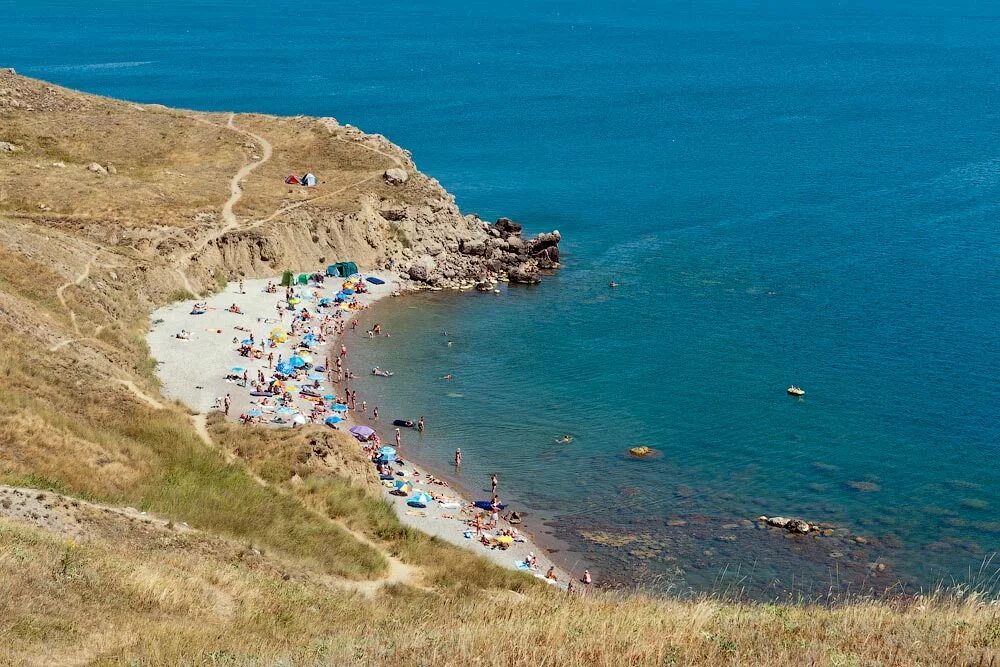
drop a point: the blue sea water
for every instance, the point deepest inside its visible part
(800, 193)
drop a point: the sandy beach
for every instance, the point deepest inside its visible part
(205, 366)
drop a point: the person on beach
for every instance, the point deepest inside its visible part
(364, 407)
(270, 359)
(246, 378)
(242, 290)
(551, 574)
(586, 577)
(399, 438)
(458, 455)
(375, 412)
(226, 402)
(420, 424)
(531, 561)
(343, 351)
(493, 483)
(495, 503)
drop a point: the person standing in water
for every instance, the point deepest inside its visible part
(493, 484)
(458, 457)
(420, 424)
(399, 438)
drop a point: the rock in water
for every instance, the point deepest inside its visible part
(524, 274)
(396, 176)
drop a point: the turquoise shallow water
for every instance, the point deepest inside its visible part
(787, 195)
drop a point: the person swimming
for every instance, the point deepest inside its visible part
(612, 284)
(565, 440)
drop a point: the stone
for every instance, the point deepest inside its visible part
(111, 169)
(59, 165)
(396, 176)
(7, 147)
(97, 169)
(797, 526)
(475, 248)
(525, 274)
(777, 521)
(508, 226)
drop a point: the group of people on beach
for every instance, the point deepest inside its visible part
(292, 391)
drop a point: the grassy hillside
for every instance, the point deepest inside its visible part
(259, 547)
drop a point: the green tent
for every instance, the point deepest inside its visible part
(287, 279)
(303, 278)
(342, 269)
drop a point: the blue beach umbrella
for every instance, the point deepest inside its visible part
(339, 407)
(236, 370)
(246, 341)
(333, 419)
(284, 368)
(420, 499)
(297, 362)
(348, 292)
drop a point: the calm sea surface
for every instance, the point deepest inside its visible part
(786, 195)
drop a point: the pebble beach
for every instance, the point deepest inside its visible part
(199, 363)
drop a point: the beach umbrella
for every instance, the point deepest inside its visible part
(325, 301)
(402, 486)
(329, 397)
(339, 407)
(388, 452)
(297, 362)
(421, 499)
(284, 368)
(237, 369)
(505, 539)
(334, 419)
(362, 432)
(246, 341)
(348, 291)
(299, 418)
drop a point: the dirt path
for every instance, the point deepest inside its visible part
(399, 572)
(141, 395)
(61, 293)
(235, 194)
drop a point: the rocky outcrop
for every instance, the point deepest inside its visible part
(396, 176)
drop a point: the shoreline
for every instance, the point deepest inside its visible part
(213, 339)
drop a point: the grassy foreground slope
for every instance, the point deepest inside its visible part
(248, 546)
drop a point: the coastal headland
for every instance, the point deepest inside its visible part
(137, 529)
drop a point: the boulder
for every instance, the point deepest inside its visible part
(525, 274)
(422, 269)
(476, 248)
(7, 147)
(515, 244)
(777, 521)
(396, 176)
(111, 169)
(507, 226)
(797, 526)
(97, 169)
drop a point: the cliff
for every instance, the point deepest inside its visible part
(152, 183)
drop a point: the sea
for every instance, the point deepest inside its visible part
(786, 193)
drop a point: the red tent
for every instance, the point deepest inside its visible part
(292, 180)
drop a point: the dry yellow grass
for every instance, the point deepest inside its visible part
(85, 258)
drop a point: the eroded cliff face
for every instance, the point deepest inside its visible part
(409, 223)
(185, 200)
